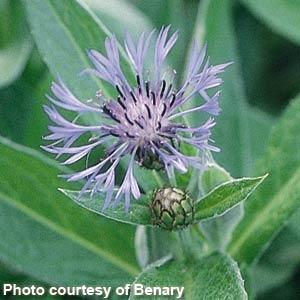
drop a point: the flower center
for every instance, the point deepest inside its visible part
(141, 113)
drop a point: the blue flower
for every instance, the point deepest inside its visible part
(143, 123)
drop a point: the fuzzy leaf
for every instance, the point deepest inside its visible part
(212, 177)
(218, 230)
(246, 127)
(139, 213)
(225, 196)
(151, 244)
(131, 17)
(40, 227)
(281, 15)
(214, 277)
(273, 203)
(16, 51)
(13, 60)
(63, 31)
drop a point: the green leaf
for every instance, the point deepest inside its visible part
(261, 125)
(215, 203)
(279, 262)
(13, 60)
(41, 253)
(282, 16)
(8, 275)
(15, 108)
(273, 203)
(109, 11)
(212, 177)
(15, 53)
(151, 244)
(219, 34)
(139, 213)
(218, 230)
(26, 123)
(289, 290)
(28, 184)
(156, 10)
(63, 32)
(36, 125)
(215, 26)
(226, 196)
(214, 277)
(181, 15)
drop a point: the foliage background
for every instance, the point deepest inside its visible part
(47, 239)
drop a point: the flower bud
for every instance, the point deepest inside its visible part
(172, 209)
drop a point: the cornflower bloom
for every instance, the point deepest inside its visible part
(144, 123)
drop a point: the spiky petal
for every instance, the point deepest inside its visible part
(144, 121)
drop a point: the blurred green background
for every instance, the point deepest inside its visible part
(261, 37)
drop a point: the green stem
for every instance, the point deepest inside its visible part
(173, 180)
(190, 243)
(180, 246)
(199, 232)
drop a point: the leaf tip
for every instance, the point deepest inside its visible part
(262, 178)
(65, 192)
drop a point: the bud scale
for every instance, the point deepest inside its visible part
(172, 209)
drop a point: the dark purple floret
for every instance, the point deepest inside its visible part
(145, 120)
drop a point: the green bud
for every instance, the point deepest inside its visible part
(172, 209)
